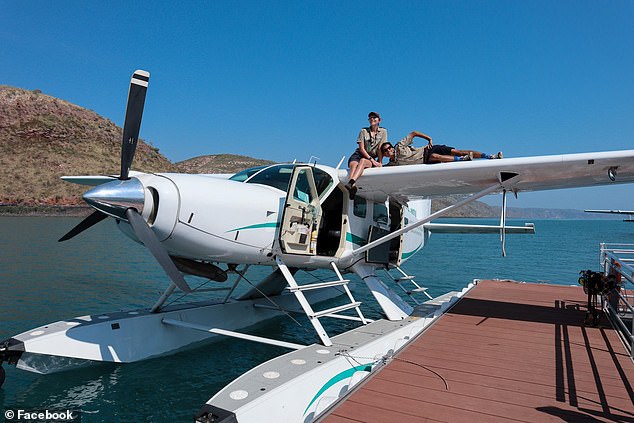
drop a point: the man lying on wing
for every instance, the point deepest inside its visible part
(403, 153)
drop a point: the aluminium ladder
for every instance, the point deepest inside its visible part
(403, 278)
(313, 315)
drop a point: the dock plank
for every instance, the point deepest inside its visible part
(506, 352)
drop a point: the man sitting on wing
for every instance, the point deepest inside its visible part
(405, 154)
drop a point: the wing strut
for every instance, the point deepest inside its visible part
(506, 179)
(503, 223)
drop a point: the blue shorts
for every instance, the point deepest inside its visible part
(356, 157)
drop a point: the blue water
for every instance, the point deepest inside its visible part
(102, 271)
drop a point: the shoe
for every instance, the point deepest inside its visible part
(499, 155)
(352, 191)
(466, 158)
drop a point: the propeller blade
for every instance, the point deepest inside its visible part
(147, 237)
(91, 220)
(133, 115)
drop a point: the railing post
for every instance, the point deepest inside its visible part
(617, 259)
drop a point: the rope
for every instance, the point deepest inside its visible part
(254, 287)
(185, 294)
(270, 300)
(389, 357)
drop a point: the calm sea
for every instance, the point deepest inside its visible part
(102, 271)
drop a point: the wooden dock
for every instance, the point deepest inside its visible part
(508, 351)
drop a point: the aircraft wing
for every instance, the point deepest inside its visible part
(94, 180)
(91, 180)
(611, 211)
(456, 228)
(534, 174)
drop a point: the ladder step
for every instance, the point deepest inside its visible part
(405, 278)
(422, 289)
(336, 309)
(318, 285)
(344, 317)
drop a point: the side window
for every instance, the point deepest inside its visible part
(302, 188)
(322, 180)
(360, 206)
(379, 213)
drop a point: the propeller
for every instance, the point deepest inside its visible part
(132, 123)
(147, 237)
(91, 220)
(123, 198)
(131, 128)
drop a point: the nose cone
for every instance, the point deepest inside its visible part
(114, 198)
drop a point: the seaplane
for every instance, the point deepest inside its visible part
(289, 217)
(628, 213)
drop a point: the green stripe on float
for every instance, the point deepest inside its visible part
(338, 378)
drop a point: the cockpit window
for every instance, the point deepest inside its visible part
(279, 176)
(275, 176)
(246, 174)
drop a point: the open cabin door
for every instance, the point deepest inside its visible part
(302, 214)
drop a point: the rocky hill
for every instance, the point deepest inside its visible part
(219, 163)
(475, 209)
(43, 138)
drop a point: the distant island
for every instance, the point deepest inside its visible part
(43, 138)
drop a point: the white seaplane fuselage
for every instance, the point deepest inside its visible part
(250, 221)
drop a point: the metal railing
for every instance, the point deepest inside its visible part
(618, 260)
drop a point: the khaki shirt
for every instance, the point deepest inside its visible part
(406, 154)
(372, 144)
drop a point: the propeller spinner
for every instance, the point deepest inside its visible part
(124, 198)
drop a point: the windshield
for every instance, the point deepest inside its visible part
(275, 176)
(246, 174)
(279, 176)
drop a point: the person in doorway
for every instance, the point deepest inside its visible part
(404, 153)
(368, 152)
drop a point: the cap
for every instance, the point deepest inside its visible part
(372, 114)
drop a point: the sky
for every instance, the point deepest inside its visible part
(286, 80)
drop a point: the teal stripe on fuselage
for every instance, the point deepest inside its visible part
(411, 253)
(355, 239)
(256, 226)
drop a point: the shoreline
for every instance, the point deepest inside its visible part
(44, 210)
(14, 210)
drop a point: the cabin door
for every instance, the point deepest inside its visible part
(302, 214)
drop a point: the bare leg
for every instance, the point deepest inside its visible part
(439, 158)
(353, 169)
(473, 153)
(356, 168)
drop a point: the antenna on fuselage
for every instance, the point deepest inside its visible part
(340, 162)
(315, 158)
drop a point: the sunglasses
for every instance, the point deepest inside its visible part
(386, 149)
